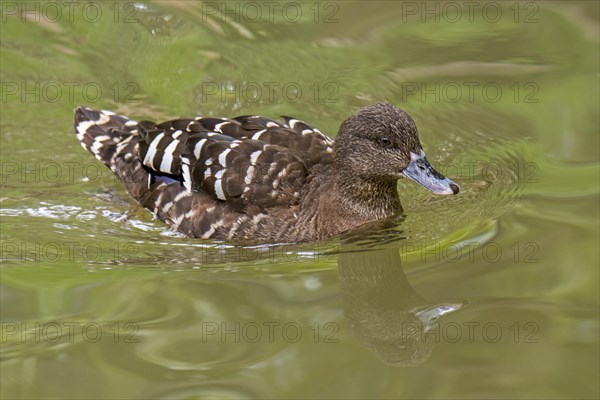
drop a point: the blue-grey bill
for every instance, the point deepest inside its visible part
(420, 171)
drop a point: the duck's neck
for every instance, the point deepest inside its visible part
(371, 199)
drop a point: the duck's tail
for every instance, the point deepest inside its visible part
(113, 139)
(103, 133)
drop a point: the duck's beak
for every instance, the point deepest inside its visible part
(420, 171)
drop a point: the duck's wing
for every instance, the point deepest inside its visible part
(228, 159)
(308, 143)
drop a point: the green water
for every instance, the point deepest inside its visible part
(489, 294)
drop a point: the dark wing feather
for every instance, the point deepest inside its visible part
(242, 161)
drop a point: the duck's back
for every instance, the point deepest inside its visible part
(211, 177)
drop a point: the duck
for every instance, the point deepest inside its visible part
(254, 179)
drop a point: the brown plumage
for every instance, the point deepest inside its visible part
(253, 179)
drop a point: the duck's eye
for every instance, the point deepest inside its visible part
(386, 142)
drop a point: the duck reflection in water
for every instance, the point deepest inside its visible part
(385, 312)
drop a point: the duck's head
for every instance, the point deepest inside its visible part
(381, 143)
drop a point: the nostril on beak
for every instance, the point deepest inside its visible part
(454, 188)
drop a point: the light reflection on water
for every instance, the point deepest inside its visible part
(492, 293)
